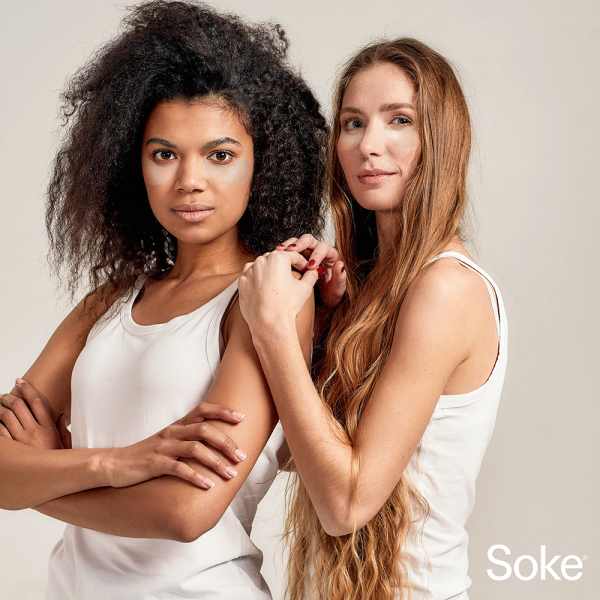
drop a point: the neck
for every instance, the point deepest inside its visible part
(221, 256)
(387, 228)
(387, 231)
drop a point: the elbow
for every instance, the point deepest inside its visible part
(343, 520)
(336, 528)
(186, 527)
(12, 507)
(14, 504)
(341, 527)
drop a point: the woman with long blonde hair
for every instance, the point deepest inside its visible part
(388, 441)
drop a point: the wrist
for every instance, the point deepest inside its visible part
(272, 336)
(101, 466)
(274, 328)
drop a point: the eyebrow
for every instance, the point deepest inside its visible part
(223, 140)
(382, 108)
(208, 146)
(156, 140)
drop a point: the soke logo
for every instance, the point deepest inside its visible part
(568, 566)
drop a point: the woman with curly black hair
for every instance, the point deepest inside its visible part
(190, 149)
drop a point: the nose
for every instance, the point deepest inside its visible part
(191, 176)
(373, 140)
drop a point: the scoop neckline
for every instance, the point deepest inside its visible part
(136, 329)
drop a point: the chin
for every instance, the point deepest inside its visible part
(376, 200)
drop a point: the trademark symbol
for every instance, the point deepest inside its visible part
(584, 557)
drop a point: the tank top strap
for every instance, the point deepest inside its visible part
(491, 286)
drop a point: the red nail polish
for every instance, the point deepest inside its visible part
(292, 246)
(320, 271)
(343, 269)
(310, 263)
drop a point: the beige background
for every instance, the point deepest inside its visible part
(530, 71)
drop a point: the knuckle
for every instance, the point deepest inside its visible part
(322, 247)
(18, 404)
(218, 463)
(203, 428)
(229, 443)
(177, 468)
(195, 447)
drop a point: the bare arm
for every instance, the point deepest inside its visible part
(168, 507)
(32, 475)
(34, 466)
(434, 334)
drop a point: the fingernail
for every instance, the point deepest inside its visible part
(238, 415)
(231, 472)
(19, 381)
(239, 454)
(292, 246)
(343, 269)
(280, 246)
(209, 482)
(310, 263)
(320, 271)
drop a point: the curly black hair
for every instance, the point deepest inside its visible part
(98, 217)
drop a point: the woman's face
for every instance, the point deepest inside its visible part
(197, 162)
(379, 143)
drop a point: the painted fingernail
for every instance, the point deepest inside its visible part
(320, 271)
(19, 381)
(209, 482)
(280, 246)
(310, 263)
(231, 472)
(238, 415)
(343, 269)
(292, 246)
(239, 454)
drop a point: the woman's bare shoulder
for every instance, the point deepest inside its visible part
(448, 282)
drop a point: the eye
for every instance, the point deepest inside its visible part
(353, 124)
(223, 157)
(401, 120)
(163, 155)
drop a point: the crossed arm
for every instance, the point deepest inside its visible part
(169, 506)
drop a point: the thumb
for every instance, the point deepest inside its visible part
(335, 289)
(311, 276)
(64, 433)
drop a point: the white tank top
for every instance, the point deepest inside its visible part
(446, 466)
(129, 382)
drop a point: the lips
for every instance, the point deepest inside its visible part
(191, 207)
(374, 176)
(192, 213)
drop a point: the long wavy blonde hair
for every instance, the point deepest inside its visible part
(370, 563)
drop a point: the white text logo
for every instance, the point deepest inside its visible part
(570, 567)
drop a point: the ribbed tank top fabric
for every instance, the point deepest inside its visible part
(444, 469)
(129, 382)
